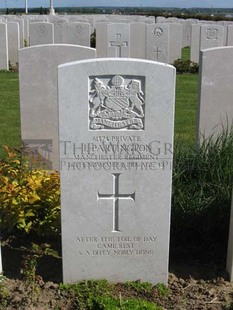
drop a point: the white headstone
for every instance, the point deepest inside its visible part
(78, 33)
(38, 95)
(26, 30)
(138, 40)
(4, 64)
(118, 40)
(101, 39)
(116, 126)
(60, 31)
(13, 41)
(160, 19)
(211, 36)
(215, 91)
(21, 29)
(225, 26)
(157, 46)
(148, 20)
(195, 43)
(230, 35)
(186, 32)
(78, 19)
(175, 42)
(41, 33)
(39, 20)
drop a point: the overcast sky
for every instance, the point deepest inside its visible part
(143, 3)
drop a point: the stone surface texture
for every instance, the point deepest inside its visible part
(116, 119)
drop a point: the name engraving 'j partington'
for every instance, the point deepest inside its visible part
(116, 104)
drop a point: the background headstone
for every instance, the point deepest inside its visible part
(138, 40)
(186, 33)
(78, 33)
(225, 26)
(116, 122)
(118, 40)
(60, 31)
(215, 109)
(41, 33)
(211, 36)
(195, 43)
(4, 64)
(13, 42)
(38, 96)
(21, 31)
(21, 28)
(101, 39)
(175, 42)
(157, 47)
(230, 35)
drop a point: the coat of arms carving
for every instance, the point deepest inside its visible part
(115, 104)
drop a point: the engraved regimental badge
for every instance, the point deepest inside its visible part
(211, 34)
(116, 103)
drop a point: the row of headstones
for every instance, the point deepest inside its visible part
(24, 21)
(90, 18)
(209, 36)
(61, 22)
(200, 34)
(40, 33)
(161, 42)
(109, 113)
(136, 40)
(188, 23)
(157, 43)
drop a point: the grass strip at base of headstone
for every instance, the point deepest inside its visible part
(9, 111)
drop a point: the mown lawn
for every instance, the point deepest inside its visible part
(186, 107)
(9, 111)
(185, 53)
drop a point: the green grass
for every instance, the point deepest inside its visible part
(186, 104)
(186, 107)
(100, 295)
(185, 53)
(9, 111)
(201, 198)
(140, 286)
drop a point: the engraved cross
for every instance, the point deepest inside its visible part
(188, 36)
(115, 197)
(118, 43)
(157, 52)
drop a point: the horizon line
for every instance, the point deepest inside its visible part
(115, 6)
